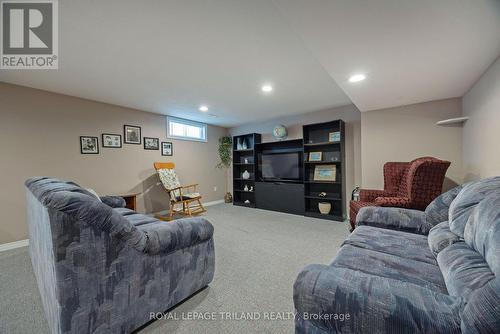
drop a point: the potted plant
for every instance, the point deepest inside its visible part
(225, 146)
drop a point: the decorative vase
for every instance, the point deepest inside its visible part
(324, 207)
(228, 198)
(238, 144)
(244, 145)
(246, 175)
(246, 188)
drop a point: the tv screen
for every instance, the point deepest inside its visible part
(285, 166)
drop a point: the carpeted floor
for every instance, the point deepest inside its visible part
(258, 256)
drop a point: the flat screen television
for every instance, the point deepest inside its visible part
(280, 166)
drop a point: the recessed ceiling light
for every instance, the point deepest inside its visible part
(203, 108)
(357, 78)
(267, 88)
(211, 115)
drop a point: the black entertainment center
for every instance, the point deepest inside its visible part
(293, 176)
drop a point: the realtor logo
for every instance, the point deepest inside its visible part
(29, 35)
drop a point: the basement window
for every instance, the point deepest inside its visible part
(178, 128)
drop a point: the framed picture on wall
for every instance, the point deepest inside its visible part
(89, 145)
(111, 140)
(167, 149)
(132, 134)
(151, 143)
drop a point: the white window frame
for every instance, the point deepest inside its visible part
(201, 125)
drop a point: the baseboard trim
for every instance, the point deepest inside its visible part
(220, 201)
(14, 245)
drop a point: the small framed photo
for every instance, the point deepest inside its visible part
(151, 143)
(167, 149)
(89, 145)
(111, 140)
(334, 136)
(132, 134)
(315, 156)
(325, 173)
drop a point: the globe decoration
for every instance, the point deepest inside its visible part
(279, 132)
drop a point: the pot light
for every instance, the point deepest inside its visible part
(357, 78)
(203, 108)
(267, 88)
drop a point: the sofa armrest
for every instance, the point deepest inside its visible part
(113, 201)
(325, 294)
(400, 202)
(405, 220)
(178, 234)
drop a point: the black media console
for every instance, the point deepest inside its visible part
(280, 196)
(289, 175)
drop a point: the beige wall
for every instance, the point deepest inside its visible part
(405, 133)
(39, 136)
(350, 114)
(481, 155)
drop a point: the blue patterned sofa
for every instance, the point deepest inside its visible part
(406, 271)
(101, 268)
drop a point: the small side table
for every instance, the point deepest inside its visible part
(130, 200)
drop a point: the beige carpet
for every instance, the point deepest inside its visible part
(258, 256)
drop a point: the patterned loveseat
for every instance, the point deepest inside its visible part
(101, 269)
(408, 271)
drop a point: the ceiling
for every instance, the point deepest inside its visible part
(411, 51)
(170, 57)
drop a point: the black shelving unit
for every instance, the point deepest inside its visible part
(317, 139)
(244, 159)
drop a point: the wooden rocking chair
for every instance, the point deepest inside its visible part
(184, 196)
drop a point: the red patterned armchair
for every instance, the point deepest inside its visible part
(411, 185)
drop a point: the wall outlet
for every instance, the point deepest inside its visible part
(215, 188)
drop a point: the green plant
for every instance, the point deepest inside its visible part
(225, 146)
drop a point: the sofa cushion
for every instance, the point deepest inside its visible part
(390, 266)
(469, 197)
(375, 304)
(177, 234)
(114, 201)
(482, 231)
(464, 270)
(404, 220)
(135, 218)
(482, 314)
(440, 237)
(405, 245)
(437, 211)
